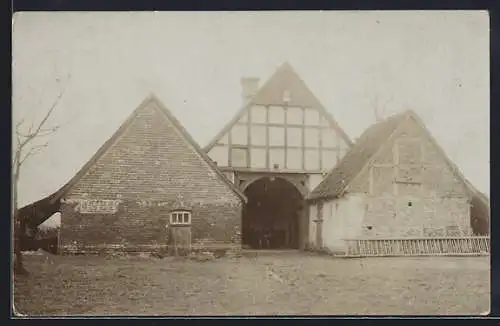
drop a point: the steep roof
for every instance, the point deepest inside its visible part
(359, 156)
(271, 93)
(151, 98)
(356, 158)
(285, 79)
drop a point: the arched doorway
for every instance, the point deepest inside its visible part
(271, 218)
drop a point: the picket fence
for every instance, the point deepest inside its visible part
(442, 246)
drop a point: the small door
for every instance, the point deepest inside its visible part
(179, 236)
(319, 227)
(311, 227)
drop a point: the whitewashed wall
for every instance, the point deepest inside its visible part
(313, 215)
(342, 218)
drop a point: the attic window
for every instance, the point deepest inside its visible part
(180, 218)
(287, 96)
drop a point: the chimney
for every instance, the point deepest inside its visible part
(249, 87)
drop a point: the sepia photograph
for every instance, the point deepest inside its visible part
(250, 163)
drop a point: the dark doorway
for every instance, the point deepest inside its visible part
(271, 216)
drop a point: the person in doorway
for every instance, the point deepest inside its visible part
(267, 235)
(259, 235)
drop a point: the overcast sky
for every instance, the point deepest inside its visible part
(436, 63)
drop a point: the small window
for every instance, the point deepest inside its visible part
(180, 218)
(287, 96)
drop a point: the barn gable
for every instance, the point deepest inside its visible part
(282, 127)
(371, 161)
(151, 156)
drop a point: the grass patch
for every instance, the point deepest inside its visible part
(299, 284)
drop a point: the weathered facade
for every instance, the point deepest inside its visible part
(149, 183)
(394, 182)
(276, 149)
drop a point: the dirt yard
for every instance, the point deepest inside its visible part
(272, 284)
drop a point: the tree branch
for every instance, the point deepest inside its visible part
(45, 132)
(32, 134)
(33, 151)
(41, 133)
(49, 112)
(19, 123)
(38, 131)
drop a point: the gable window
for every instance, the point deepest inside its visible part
(180, 218)
(287, 96)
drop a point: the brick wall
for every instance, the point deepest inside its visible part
(439, 201)
(151, 170)
(135, 226)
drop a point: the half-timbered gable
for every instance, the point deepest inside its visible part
(281, 127)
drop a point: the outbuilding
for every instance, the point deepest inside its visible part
(396, 181)
(148, 185)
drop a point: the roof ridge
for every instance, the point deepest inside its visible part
(123, 127)
(285, 67)
(324, 190)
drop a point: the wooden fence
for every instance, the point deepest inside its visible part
(443, 246)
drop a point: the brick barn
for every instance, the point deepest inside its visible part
(149, 184)
(395, 181)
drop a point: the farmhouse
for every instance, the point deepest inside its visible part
(148, 184)
(395, 181)
(277, 148)
(281, 174)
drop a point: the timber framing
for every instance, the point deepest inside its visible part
(246, 107)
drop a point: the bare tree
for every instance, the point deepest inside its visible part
(25, 147)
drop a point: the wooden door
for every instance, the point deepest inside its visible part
(319, 227)
(180, 239)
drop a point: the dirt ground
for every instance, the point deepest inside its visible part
(291, 283)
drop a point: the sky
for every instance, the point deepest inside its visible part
(433, 62)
